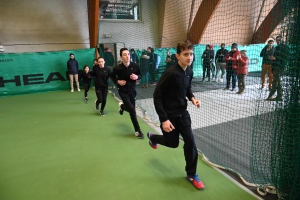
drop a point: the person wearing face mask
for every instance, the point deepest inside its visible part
(220, 62)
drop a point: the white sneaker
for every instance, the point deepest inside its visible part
(216, 80)
(221, 80)
(78, 89)
(72, 90)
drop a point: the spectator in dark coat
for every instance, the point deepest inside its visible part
(72, 67)
(266, 52)
(279, 63)
(231, 66)
(207, 57)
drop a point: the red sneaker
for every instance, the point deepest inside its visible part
(152, 144)
(195, 181)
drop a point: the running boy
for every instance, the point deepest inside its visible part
(86, 77)
(124, 76)
(171, 106)
(101, 74)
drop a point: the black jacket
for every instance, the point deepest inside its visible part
(265, 53)
(208, 56)
(72, 66)
(171, 92)
(121, 72)
(221, 54)
(281, 55)
(86, 77)
(101, 76)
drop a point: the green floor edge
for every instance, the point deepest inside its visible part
(55, 146)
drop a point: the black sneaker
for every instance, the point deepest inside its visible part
(226, 88)
(139, 135)
(102, 113)
(96, 105)
(121, 110)
(86, 99)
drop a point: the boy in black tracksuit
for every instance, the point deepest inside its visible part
(124, 76)
(86, 77)
(170, 104)
(101, 74)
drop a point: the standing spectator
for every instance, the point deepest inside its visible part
(109, 62)
(266, 53)
(168, 54)
(212, 65)
(101, 73)
(86, 77)
(231, 66)
(207, 59)
(124, 76)
(152, 65)
(144, 69)
(242, 70)
(109, 58)
(170, 101)
(169, 62)
(133, 56)
(220, 62)
(279, 63)
(72, 67)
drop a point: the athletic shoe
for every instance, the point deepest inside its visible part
(96, 105)
(216, 80)
(221, 80)
(102, 113)
(121, 110)
(86, 99)
(139, 135)
(233, 89)
(72, 90)
(195, 181)
(226, 88)
(152, 144)
(78, 89)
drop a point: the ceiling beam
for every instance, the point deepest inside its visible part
(268, 25)
(93, 15)
(201, 20)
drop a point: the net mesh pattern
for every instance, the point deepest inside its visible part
(257, 139)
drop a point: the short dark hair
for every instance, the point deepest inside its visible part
(123, 49)
(85, 66)
(71, 54)
(183, 46)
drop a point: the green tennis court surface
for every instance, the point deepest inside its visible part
(55, 146)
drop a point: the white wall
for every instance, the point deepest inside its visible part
(137, 35)
(40, 25)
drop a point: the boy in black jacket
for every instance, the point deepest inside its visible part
(101, 74)
(171, 106)
(86, 77)
(124, 76)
